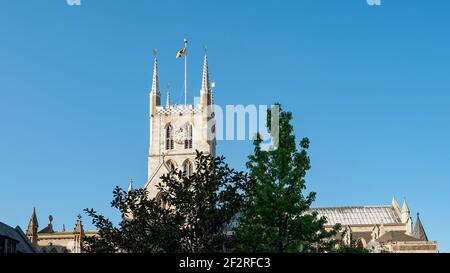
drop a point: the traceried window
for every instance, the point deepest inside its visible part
(188, 168)
(188, 134)
(169, 137)
(170, 165)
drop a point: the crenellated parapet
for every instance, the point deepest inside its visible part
(178, 109)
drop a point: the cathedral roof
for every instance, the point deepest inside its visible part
(366, 235)
(49, 227)
(419, 231)
(396, 236)
(362, 215)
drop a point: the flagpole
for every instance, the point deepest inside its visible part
(185, 71)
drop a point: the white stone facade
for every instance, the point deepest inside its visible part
(178, 131)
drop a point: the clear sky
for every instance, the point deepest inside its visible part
(368, 85)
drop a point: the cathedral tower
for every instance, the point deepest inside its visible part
(178, 130)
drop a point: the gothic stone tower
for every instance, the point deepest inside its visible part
(178, 131)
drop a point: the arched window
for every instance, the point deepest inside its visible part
(188, 139)
(188, 168)
(169, 137)
(161, 200)
(170, 165)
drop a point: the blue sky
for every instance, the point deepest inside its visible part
(368, 85)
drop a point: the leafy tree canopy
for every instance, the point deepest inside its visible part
(277, 216)
(189, 215)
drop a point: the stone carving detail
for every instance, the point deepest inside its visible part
(179, 136)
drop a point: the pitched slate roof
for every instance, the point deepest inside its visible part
(396, 236)
(367, 236)
(419, 231)
(47, 229)
(362, 215)
(23, 244)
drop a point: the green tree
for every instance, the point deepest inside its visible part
(277, 216)
(189, 216)
(353, 247)
(149, 230)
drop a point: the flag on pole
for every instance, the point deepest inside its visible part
(181, 53)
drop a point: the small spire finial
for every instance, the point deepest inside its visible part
(405, 212)
(130, 187)
(206, 88)
(405, 205)
(33, 215)
(79, 226)
(155, 80)
(32, 224)
(155, 52)
(50, 219)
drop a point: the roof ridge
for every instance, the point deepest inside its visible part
(381, 214)
(25, 238)
(340, 207)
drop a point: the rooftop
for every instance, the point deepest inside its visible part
(359, 215)
(396, 236)
(23, 244)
